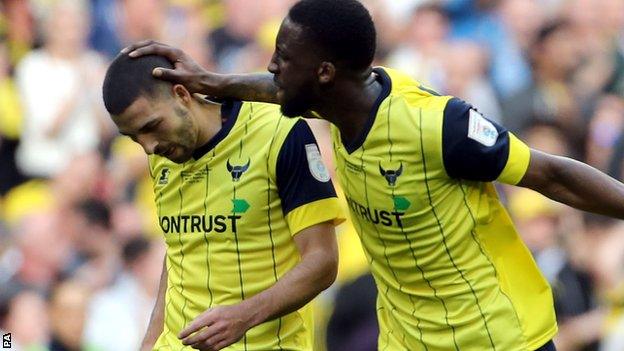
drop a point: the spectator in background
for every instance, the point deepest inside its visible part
(59, 85)
(185, 25)
(466, 65)
(423, 47)
(44, 250)
(118, 316)
(10, 122)
(20, 29)
(594, 31)
(135, 23)
(105, 36)
(515, 25)
(604, 132)
(228, 42)
(67, 310)
(97, 253)
(555, 58)
(26, 318)
(554, 235)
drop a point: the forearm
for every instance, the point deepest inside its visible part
(315, 273)
(247, 87)
(583, 187)
(156, 323)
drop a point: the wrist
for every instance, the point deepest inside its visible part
(254, 312)
(212, 84)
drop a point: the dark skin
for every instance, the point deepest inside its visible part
(342, 96)
(346, 99)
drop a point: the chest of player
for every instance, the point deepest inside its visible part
(388, 186)
(229, 192)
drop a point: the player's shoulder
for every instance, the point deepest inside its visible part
(411, 91)
(266, 116)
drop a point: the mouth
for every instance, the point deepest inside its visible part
(277, 84)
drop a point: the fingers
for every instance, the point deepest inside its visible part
(166, 74)
(137, 45)
(203, 320)
(200, 337)
(151, 47)
(213, 344)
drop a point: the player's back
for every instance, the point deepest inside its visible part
(451, 270)
(225, 228)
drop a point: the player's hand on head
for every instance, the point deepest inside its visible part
(216, 328)
(186, 71)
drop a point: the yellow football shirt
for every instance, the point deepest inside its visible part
(451, 270)
(229, 216)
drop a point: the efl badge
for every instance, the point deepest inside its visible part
(481, 130)
(315, 163)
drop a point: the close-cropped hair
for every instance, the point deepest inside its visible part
(129, 78)
(344, 29)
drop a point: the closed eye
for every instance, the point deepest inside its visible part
(150, 126)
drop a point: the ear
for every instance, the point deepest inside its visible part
(180, 92)
(326, 72)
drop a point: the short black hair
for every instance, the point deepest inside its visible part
(134, 249)
(128, 78)
(96, 212)
(344, 28)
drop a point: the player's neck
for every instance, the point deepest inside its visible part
(349, 105)
(207, 119)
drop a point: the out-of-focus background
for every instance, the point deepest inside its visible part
(80, 249)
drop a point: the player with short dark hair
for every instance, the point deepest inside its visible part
(347, 36)
(246, 207)
(417, 170)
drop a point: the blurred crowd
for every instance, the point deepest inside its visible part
(80, 248)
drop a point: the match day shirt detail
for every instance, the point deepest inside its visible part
(451, 271)
(229, 216)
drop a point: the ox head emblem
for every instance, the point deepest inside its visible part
(237, 171)
(391, 175)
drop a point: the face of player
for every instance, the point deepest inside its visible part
(162, 126)
(294, 66)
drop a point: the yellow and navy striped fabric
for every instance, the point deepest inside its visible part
(450, 268)
(229, 217)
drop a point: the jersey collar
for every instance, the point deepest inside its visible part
(229, 112)
(386, 87)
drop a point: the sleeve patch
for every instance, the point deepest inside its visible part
(301, 176)
(473, 147)
(315, 163)
(481, 130)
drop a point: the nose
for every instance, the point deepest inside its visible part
(148, 144)
(273, 68)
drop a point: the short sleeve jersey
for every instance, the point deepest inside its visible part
(451, 270)
(229, 217)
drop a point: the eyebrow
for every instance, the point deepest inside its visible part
(146, 125)
(152, 119)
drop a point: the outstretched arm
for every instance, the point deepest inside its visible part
(575, 184)
(248, 87)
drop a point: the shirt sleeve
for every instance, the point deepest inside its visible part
(304, 185)
(476, 148)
